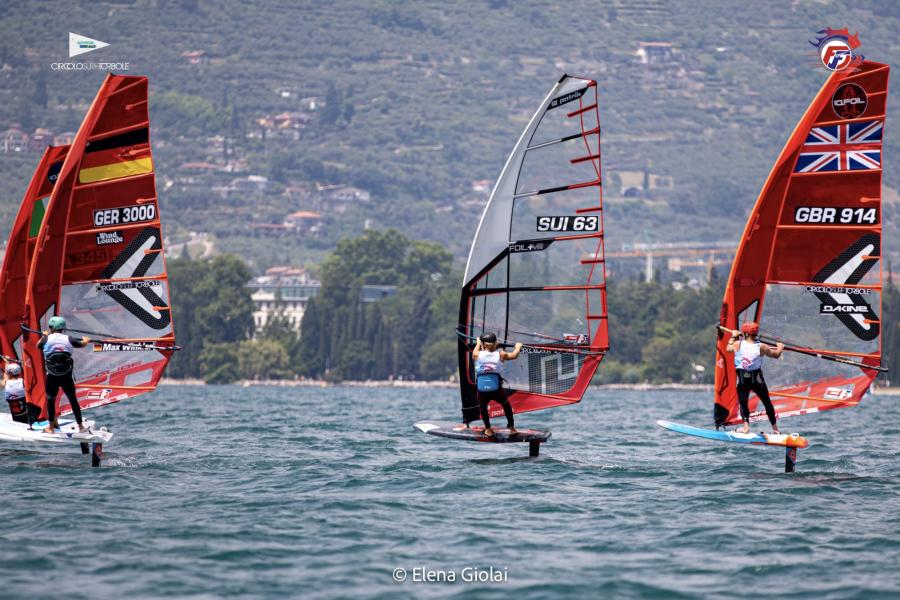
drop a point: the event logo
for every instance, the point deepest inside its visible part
(79, 44)
(836, 48)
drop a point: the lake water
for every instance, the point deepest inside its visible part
(211, 492)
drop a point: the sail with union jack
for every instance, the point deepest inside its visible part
(844, 147)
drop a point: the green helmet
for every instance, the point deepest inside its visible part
(57, 323)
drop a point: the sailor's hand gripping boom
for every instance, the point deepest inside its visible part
(799, 349)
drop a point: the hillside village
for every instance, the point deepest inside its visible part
(290, 161)
(308, 207)
(278, 152)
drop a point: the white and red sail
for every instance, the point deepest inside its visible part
(20, 249)
(536, 271)
(809, 267)
(99, 258)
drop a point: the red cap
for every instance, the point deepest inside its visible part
(750, 327)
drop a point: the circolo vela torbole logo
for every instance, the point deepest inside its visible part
(837, 48)
(80, 44)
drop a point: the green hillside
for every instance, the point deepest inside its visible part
(405, 105)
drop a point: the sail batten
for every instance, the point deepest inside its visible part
(808, 268)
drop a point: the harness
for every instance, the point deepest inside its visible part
(58, 355)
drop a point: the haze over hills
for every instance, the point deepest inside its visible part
(280, 128)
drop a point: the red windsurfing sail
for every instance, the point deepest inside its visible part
(536, 270)
(20, 248)
(99, 260)
(809, 265)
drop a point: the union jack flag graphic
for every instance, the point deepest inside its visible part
(849, 147)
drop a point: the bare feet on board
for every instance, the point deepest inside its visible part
(488, 432)
(513, 431)
(744, 429)
(51, 427)
(82, 429)
(775, 430)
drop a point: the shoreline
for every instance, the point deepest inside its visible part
(426, 384)
(639, 387)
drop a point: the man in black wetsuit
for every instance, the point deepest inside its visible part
(57, 348)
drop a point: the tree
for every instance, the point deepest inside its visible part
(40, 89)
(332, 109)
(346, 338)
(211, 306)
(263, 359)
(219, 363)
(311, 355)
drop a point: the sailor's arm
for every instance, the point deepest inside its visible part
(512, 355)
(734, 342)
(79, 342)
(770, 351)
(477, 349)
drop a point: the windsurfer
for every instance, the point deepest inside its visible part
(14, 391)
(748, 353)
(58, 348)
(488, 371)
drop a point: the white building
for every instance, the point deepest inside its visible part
(287, 290)
(654, 53)
(284, 290)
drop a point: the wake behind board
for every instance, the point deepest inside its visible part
(790, 441)
(459, 431)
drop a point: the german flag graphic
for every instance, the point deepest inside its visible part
(123, 155)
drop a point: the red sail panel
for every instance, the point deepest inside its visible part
(20, 247)
(536, 271)
(100, 260)
(808, 268)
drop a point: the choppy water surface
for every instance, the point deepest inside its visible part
(318, 493)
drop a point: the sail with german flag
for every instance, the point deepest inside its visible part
(809, 268)
(20, 248)
(536, 271)
(99, 260)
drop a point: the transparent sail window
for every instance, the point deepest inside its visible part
(552, 215)
(556, 123)
(131, 313)
(544, 372)
(810, 317)
(488, 315)
(551, 166)
(558, 316)
(562, 263)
